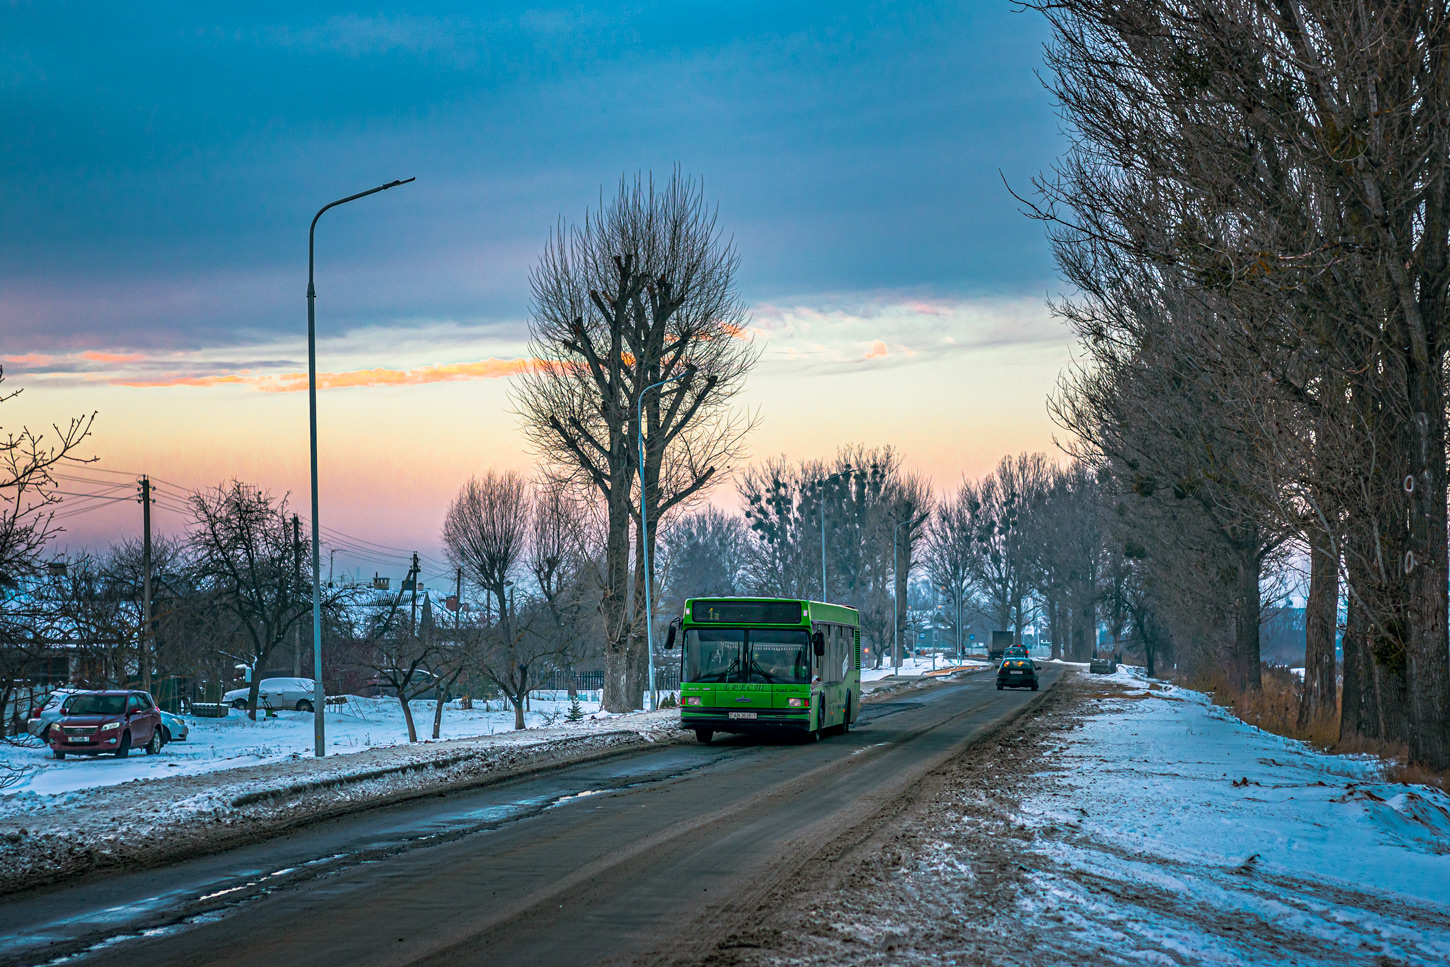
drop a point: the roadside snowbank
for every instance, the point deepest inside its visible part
(1172, 832)
(227, 743)
(149, 821)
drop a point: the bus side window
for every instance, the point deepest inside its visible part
(830, 663)
(838, 652)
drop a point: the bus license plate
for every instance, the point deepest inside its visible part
(742, 715)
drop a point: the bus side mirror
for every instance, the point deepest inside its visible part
(818, 643)
(670, 638)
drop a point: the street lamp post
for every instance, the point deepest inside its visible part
(318, 703)
(822, 485)
(895, 595)
(649, 635)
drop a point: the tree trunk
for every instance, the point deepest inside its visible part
(518, 703)
(1054, 624)
(1392, 703)
(1243, 668)
(1084, 637)
(408, 715)
(438, 713)
(1427, 651)
(1319, 701)
(615, 696)
(1359, 711)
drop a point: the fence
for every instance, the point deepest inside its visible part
(666, 679)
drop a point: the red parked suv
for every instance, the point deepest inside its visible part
(92, 722)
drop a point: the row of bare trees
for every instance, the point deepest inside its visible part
(1255, 213)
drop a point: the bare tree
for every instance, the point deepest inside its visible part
(704, 556)
(244, 558)
(486, 532)
(641, 293)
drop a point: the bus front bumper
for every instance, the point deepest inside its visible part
(737, 720)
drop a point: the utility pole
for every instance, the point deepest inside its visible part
(458, 600)
(297, 628)
(413, 577)
(145, 649)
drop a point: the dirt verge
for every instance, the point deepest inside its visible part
(881, 898)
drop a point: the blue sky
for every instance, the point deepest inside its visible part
(161, 164)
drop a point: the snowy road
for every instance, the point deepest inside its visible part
(649, 855)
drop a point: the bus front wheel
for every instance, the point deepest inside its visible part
(704, 735)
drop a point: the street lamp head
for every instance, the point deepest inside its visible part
(394, 184)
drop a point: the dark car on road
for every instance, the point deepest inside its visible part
(111, 721)
(1017, 670)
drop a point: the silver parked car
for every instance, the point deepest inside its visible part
(173, 727)
(47, 713)
(279, 693)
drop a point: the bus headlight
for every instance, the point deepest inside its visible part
(693, 700)
(796, 702)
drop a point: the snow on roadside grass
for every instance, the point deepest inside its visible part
(227, 743)
(1172, 832)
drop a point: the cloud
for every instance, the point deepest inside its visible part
(900, 330)
(178, 380)
(447, 373)
(378, 376)
(100, 357)
(29, 359)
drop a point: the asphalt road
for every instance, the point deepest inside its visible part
(646, 857)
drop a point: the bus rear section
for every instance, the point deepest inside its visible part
(763, 665)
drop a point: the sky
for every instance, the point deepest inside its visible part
(161, 165)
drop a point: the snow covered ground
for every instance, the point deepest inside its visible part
(1170, 832)
(911, 667)
(235, 741)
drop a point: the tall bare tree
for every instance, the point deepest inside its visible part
(642, 292)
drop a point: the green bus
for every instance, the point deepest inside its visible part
(767, 665)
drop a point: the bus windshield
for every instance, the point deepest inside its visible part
(713, 654)
(760, 656)
(779, 657)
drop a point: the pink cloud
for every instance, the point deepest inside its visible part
(297, 382)
(447, 373)
(877, 350)
(29, 359)
(178, 380)
(99, 357)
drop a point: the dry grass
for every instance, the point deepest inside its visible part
(1275, 708)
